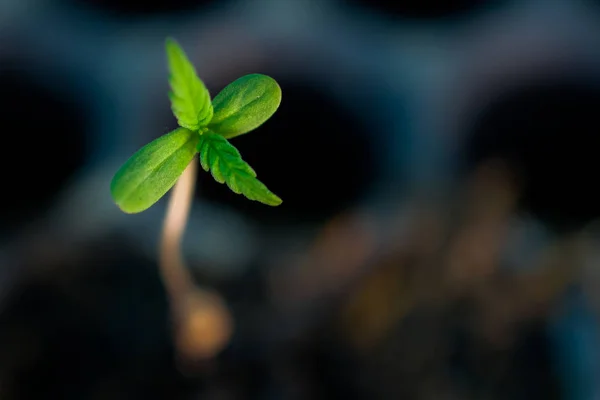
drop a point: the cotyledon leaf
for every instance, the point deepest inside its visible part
(225, 163)
(150, 172)
(190, 100)
(244, 105)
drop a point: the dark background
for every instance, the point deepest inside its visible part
(438, 164)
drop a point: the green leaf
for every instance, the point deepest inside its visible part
(190, 100)
(244, 105)
(225, 163)
(153, 170)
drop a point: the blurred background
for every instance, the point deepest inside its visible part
(438, 237)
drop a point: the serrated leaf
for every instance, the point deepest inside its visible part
(190, 100)
(149, 173)
(226, 165)
(244, 105)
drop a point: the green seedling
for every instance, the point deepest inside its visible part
(205, 128)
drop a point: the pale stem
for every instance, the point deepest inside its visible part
(174, 272)
(202, 322)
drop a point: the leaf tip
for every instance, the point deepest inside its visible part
(171, 42)
(126, 210)
(274, 201)
(122, 202)
(174, 52)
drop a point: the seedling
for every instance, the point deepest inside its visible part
(204, 128)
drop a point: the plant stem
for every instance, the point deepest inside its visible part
(202, 322)
(174, 272)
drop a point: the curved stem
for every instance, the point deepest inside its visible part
(201, 321)
(174, 272)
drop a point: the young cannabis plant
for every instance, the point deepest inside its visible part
(204, 128)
